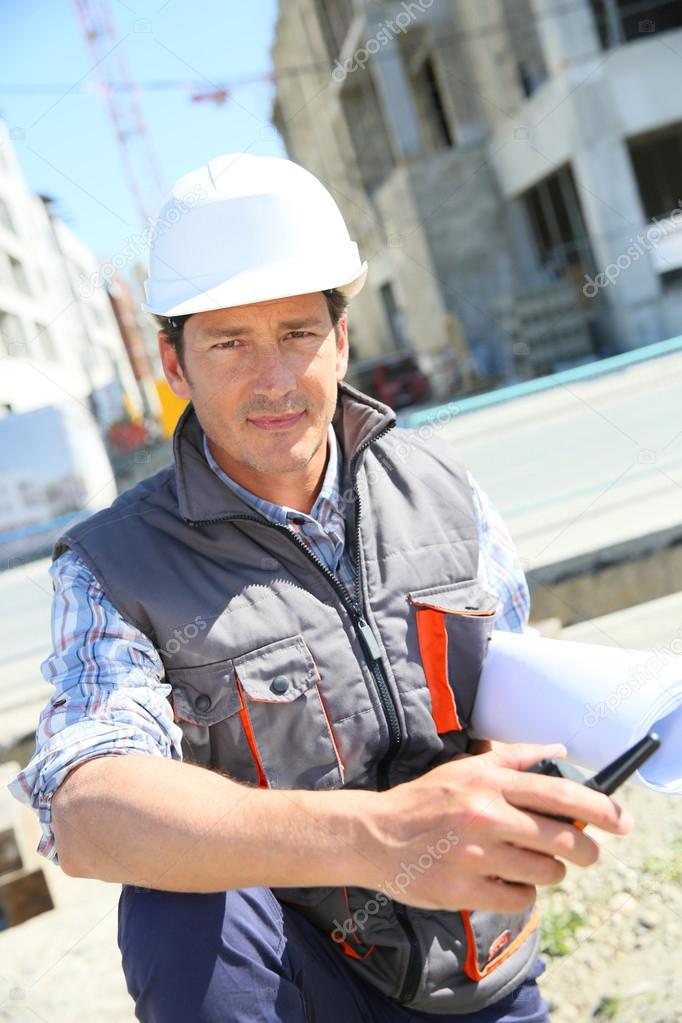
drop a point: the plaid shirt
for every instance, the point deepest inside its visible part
(324, 530)
(109, 691)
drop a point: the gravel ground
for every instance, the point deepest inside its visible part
(621, 946)
(64, 965)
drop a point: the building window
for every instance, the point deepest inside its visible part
(558, 226)
(43, 342)
(426, 89)
(12, 335)
(656, 161)
(621, 21)
(19, 275)
(334, 17)
(5, 216)
(395, 318)
(671, 280)
(521, 25)
(430, 104)
(365, 119)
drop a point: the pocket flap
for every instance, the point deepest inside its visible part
(467, 598)
(204, 695)
(277, 673)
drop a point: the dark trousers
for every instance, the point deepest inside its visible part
(238, 956)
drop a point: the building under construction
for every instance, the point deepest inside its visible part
(509, 168)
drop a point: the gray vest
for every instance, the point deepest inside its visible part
(282, 678)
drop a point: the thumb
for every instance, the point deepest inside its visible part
(520, 755)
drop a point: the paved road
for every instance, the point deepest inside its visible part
(25, 597)
(585, 465)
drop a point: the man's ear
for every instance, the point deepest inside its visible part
(342, 347)
(171, 367)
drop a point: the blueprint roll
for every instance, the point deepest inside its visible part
(597, 700)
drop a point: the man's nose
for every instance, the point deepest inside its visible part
(272, 372)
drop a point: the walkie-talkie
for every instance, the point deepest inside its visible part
(608, 779)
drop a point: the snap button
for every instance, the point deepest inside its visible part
(280, 684)
(202, 702)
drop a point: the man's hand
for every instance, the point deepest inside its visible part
(471, 833)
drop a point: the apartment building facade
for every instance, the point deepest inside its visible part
(59, 338)
(506, 166)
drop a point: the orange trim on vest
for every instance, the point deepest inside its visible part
(331, 732)
(350, 951)
(345, 945)
(471, 967)
(433, 647)
(250, 737)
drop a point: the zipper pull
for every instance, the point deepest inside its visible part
(368, 638)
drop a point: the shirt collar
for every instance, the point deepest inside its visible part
(329, 491)
(201, 494)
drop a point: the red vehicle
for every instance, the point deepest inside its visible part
(398, 381)
(127, 436)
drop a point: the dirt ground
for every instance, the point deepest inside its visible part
(619, 923)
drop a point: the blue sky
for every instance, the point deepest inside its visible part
(69, 151)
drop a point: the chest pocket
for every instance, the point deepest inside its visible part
(454, 625)
(259, 718)
(284, 715)
(207, 706)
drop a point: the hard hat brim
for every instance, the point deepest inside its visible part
(255, 286)
(355, 285)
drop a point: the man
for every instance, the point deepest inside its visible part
(317, 588)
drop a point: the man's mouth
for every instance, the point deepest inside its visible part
(281, 422)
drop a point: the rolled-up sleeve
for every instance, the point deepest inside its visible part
(109, 695)
(499, 565)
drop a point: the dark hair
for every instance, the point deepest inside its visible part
(337, 303)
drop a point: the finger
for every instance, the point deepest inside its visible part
(566, 798)
(523, 866)
(520, 755)
(498, 896)
(554, 838)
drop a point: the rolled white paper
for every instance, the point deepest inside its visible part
(597, 700)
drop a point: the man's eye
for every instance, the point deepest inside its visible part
(300, 333)
(232, 342)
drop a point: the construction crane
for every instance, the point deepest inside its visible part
(123, 105)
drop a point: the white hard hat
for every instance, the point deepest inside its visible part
(245, 229)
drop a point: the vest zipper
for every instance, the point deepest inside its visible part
(375, 664)
(367, 639)
(354, 604)
(413, 971)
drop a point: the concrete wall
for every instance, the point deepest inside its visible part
(584, 115)
(465, 224)
(311, 116)
(445, 227)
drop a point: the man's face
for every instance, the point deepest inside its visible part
(262, 379)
